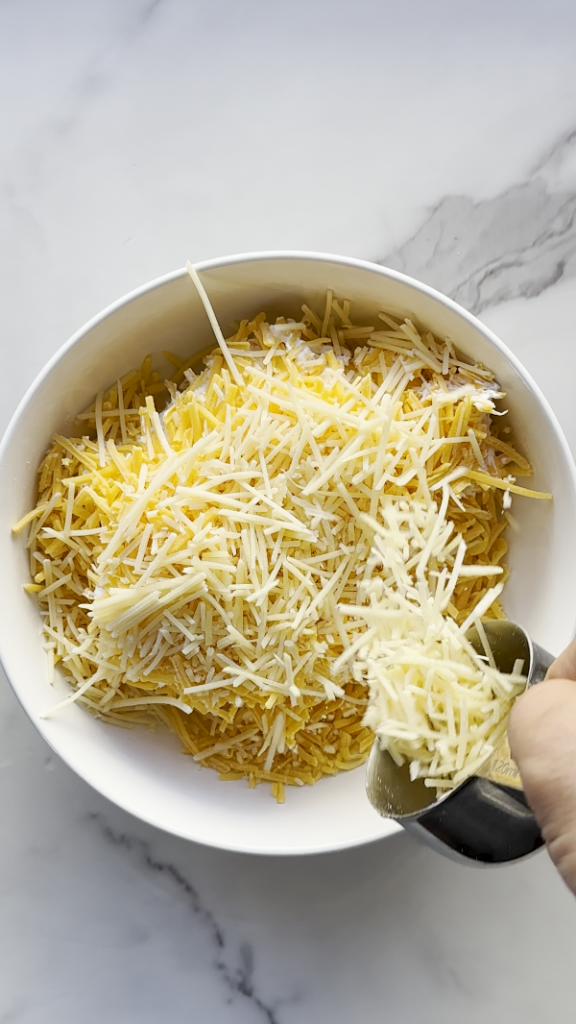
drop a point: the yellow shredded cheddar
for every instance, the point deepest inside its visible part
(196, 543)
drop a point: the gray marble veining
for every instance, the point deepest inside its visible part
(512, 245)
(236, 975)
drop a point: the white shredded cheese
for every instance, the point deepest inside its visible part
(433, 700)
(209, 566)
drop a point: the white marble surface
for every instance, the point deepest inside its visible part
(438, 137)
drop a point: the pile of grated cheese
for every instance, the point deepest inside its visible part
(434, 700)
(203, 548)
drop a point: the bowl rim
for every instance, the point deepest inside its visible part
(215, 264)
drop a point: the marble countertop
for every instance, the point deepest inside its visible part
(437, 138)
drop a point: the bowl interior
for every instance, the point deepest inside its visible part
(145, 772)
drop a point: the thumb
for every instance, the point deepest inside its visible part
(542, 735)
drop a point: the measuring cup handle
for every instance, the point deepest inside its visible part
(541, 662)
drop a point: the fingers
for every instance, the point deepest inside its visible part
(542, 734)
(565, 665)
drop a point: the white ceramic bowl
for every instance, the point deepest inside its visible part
(145, 773)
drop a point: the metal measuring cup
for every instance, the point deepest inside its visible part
(486, 819)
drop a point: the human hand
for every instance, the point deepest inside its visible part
(542, 735)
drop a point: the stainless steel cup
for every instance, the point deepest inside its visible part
(486, 819)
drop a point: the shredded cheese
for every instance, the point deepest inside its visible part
(434, 702)
(203, 549)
